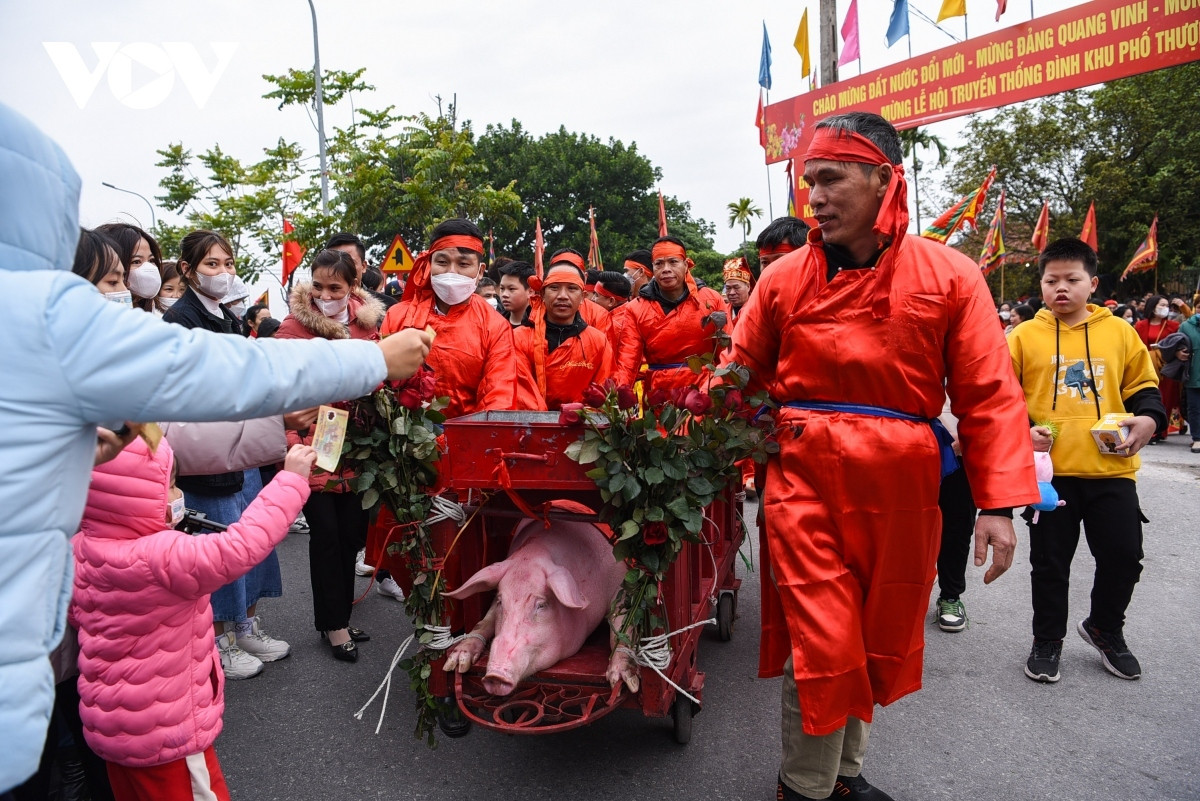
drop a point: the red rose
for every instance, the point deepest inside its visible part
(427, 383)
(697, 402)
(658, 398)
(655, 533)
(569, 414)
(594, 396)
(409, 398)
(626, 398)
(733, 400)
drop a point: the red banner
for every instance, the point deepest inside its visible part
(1092, 43)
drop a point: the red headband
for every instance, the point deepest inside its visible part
(891, 224)
(601, 290)
(777, 250)
(568, 258)
(630, 264)
(562, 274)
(419, 277)
(665, 250)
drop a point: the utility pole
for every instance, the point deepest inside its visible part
(829, 45)
(320, 103)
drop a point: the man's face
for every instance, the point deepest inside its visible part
(765, 259)
(603, 300)
(669, 272)
(352, 252)
(845, 200)
(562, 302)
(455, 260)
(737, 293)
(1066, 286)
(514, 296)
(487, 292)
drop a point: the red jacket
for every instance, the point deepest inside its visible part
(572, 367)
(659, 339)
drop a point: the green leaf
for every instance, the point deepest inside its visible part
(572, 451)
(370, 498)
(653, 475)
(616, 483)
(589, 452)
(655, 514)
(700, 485)
(679, 507)
(596, 473)
(629, 529)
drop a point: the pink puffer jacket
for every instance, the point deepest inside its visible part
(150, 684)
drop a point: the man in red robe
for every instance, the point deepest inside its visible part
(565, 354)
(858, 335)
(639, 269)
(780, 238)
(669, 322)
(739, 281)
(593, 313)
(612, 292)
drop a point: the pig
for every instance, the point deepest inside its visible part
(553, 589)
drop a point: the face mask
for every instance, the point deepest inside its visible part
(1005, 315)
(452, 288)
(178, 510)
(238, 308)
(144, 280)
(167, 303)
(332, 308)
(236, 290)
(1130, 320)
(124, 298)
(1173, 316)
(1160, 312)
(215, 286)
(496, 305)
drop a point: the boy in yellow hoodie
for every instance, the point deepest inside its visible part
(1077, 363)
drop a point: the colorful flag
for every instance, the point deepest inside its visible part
(802, 44)
(594, 260)
(293, 251)
(1001, 7)
(764, 63)
(662, 215)
(850, 35)
(1088, 234)
(491, 248)
(264, 299)
(1041, 231)
(539, 250)
(952, 8)
(760, 121)
(993, 249)
(791, 202)
(961, 213)
(898, 24)
(1146, 257)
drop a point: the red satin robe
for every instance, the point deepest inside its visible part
(654, 338)
(597, 317)
(572, 367)
(851, 501)
(620, 320)
(472, 353)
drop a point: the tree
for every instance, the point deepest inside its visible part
(740, 213)
(910, 140)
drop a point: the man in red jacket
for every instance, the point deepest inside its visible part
(858, 336)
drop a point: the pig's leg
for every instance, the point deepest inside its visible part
(621, 664)
(466, 652)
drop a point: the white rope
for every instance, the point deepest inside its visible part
(440, 641)
(655, 653)
(445, 510)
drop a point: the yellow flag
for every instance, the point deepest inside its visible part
(952, 8)
(802, 43)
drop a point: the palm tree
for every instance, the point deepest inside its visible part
(911, 139)
(740, 214)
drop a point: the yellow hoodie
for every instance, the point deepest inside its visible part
(1073, 376)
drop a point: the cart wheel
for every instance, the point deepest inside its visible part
(725, 617)
(451, 721)
(681, 713)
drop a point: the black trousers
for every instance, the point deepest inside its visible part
(1112, 524)
(337, 526)
(958, 533)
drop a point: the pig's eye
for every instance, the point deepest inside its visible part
(540, 605)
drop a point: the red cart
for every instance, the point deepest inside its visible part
(502, 466)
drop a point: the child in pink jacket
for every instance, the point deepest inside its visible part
(150, 686)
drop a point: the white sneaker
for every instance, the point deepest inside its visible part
(360, 564)
(390, 588)
(300, 526)
(236, 663)
(261, 645)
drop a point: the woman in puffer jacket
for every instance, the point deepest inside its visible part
(333, 306)
(151, 687)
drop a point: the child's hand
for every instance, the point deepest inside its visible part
(1141, 429)
(1042, 438)
(300, 460)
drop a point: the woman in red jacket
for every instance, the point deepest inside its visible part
(333, 306)
(1152, 328)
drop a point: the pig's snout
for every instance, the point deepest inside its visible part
(497, 684)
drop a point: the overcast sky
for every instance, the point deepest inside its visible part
(679, 78)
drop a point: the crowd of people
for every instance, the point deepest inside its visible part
(907, 424)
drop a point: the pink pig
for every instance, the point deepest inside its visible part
(553, 590)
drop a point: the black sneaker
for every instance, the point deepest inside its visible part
(856, 788)
(951, 614)
(1042, 664)
(785, 793)
(1113, 651)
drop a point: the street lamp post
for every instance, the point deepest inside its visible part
(153, 218)
(320, 113)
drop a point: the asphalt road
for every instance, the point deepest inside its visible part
(978, 730)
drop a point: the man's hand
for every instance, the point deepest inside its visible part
(404, 352)
(299, 421)
(998, 533)
(1141, 429)
(1042, 438)
(110, 443)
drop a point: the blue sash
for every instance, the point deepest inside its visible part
(670, 366)
(944, 439)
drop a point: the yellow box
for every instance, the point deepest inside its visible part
(1108, 433)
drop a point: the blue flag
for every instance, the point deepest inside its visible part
(764, 65)
(898, 26)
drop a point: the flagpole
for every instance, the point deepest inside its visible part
(770, 201)
(1002, 282)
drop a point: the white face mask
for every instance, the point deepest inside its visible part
(1160, 311)
(332, 308)
(1005, 315)
(145, 280)
(215, 286)
(452, 288)
(236, 290)
(125, 298)
(167, 303)
(178, 510)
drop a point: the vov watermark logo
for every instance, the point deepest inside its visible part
(140, 75)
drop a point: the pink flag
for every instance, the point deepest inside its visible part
(850, 35)
(1001, 7)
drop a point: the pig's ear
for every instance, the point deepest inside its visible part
(486, 579)
(565, 589)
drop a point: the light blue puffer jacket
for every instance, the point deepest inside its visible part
(69, 360)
